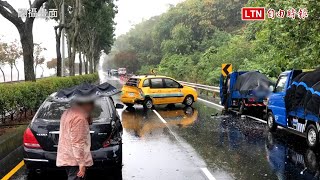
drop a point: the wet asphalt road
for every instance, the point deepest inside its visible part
(178, 143)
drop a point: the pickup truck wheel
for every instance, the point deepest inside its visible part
(312, 136)
(148, 104)
(311, 160)
(272, 125)
(241, 107)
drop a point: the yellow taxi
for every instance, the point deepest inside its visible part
(150, 90)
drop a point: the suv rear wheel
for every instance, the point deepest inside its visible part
(129, 105)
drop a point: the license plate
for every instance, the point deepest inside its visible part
(131, 94)
(54, 136)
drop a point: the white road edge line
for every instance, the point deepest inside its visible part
(218, 106)
(208, 174)
(221, 107)
(257, 119)
(204, 170)
(159, 116)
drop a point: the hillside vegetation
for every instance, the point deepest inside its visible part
(191, 40)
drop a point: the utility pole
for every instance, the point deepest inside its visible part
(62, 40)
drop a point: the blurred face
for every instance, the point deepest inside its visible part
(87, 107)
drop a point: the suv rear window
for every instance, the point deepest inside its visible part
(53, 110)
(133, 82)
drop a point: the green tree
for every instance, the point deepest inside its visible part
(2, 59)
(12, 54)
(25, 31)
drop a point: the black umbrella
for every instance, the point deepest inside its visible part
(85, 92)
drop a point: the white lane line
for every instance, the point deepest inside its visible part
(208, 174)
(218, 106)
(204, 170)
(164, 121)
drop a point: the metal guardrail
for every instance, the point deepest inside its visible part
(201, 86)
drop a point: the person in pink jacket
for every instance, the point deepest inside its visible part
(75, 141)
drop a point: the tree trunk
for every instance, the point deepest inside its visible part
(11, 67)
(25, 32)
(90, 65)
(26, 38)
(85, 60)
(91, 57)
(4, 77)
(58, 51)
(17, 71)
(42, 71)
(95, 64)
(72, 61)
(80, 64)
(71, 66)
(76, 26)
(35, 70)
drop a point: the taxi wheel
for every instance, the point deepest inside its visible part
(188, 100)
(148, 104)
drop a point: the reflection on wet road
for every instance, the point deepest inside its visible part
(179, 143)
(152, 151)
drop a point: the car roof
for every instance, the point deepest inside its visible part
(149, 76)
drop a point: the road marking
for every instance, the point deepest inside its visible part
(204, 170)
(208, 174)
(218, 106)
(13, 171)
(159, 116)
(257, 119)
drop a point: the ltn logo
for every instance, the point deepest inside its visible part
(253, 13)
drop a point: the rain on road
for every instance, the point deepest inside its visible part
(198, 143)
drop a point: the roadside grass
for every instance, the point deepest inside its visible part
(10, 139)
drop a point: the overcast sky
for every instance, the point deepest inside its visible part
(130, 12)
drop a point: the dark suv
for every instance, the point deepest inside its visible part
(41, 137)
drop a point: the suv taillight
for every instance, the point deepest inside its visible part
(29, 141)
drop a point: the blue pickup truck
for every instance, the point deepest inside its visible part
(233, 98)
(300, 121)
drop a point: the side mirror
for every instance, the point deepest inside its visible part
(119, 106)
(181, 86)
(271, 88)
